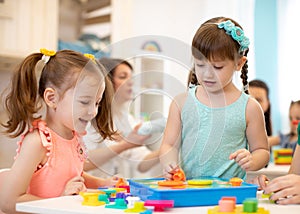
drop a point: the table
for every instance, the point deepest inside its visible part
(272, 171)
(72, 205)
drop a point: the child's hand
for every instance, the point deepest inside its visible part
(136, 139)
(74, 186)
(243, 158)
(112, 181)
(170, 169)
(285, 189)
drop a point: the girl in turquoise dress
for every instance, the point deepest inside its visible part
(215, 129)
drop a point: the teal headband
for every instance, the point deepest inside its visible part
(236, 33)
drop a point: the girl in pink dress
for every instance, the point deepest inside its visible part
(50, 156)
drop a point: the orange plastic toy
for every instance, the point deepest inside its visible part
(121, 182)
(236, 181)
(178, 175)
(170, 183)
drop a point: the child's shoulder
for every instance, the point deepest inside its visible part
(181, 98)
(253, 107)
(33, 138)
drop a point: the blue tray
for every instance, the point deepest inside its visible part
(147, 189)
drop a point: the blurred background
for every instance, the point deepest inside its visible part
(123, 28)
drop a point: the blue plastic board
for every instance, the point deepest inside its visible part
(191, 195)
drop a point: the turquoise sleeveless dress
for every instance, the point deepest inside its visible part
(210, 135)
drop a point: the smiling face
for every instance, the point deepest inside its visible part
(122, 83)
(79, 104)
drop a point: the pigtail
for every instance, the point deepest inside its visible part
(22, 102)
(103, 121)
(244, 74)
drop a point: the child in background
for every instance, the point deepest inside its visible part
(212, 123)
(50, 156)
(289, 140)
(259, 90)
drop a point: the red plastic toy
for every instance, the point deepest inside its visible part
(159, 205)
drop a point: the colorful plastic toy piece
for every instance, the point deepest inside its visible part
(109, 192)
(104, 198)
(127, 187)
(159, 205)
(236, 181)
(170, 183)
(121, 182)
(131, 201)
(237, 210)
(120, 203)
(283, 156)
(200, 182)
(250, 205)
(91, 199)
(178, 175)
(147, 212)
(137, 208)
(227, 204)
(263, 195)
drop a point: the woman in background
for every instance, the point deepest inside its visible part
(128, 156)
(259, 90)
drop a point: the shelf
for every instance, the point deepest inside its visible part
(9, 63)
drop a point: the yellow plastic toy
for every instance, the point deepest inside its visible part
(91, 198)
(200, 182)
(283, 156)
(228, 205)
(138, 207)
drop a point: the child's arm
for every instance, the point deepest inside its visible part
(273, 140)
(172, 137)
(94, 182)
(259, 154)
(99, 156)
(149, 161)
(16, 181)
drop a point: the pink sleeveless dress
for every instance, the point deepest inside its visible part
(65, 161)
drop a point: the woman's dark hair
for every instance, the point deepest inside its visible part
(268, 120)
(110, 64)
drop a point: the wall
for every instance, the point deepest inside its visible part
(7, 145)
(176, 19)
(266, 49)
(25, 27)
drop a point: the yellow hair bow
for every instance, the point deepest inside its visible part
(46, 54)
(90, 56)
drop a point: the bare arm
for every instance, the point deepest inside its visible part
(273, 140)
(17, 179)
(256, 135)
(172, 136)
(149, 161)
(94, 182)
(99, 156)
